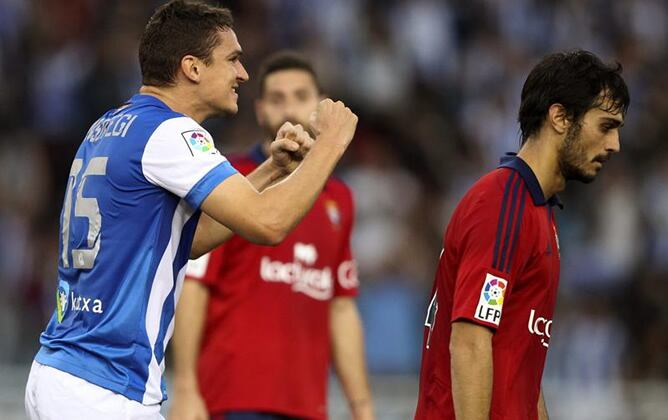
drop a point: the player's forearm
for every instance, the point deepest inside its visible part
(282, 206)
(472, 376)
(190, 317)
(266, 175)
(210, 233)
(266, 218)
(348, 357)
(542, 407)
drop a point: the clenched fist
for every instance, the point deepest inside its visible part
(334, 122)
(292, 143)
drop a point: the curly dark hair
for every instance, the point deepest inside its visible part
(578, 80)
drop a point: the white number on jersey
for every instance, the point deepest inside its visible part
(83, 258)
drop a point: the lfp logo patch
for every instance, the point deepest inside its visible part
(490, 303)
(199, 141)
(494, 291)
(62, 295)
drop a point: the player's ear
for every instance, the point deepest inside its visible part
(191, 67)
(558, 118)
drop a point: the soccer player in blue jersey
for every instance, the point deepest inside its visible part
(147, 189)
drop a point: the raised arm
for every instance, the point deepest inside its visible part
(267, 217)
(286, 155)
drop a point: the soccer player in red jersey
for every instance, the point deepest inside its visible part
(489, 322)
(256, 326)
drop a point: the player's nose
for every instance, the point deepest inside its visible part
(242, 74)
(612, 142)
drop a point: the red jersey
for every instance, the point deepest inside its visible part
(266, 342)
(499, 268)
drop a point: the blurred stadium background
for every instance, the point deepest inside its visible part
(436, 85)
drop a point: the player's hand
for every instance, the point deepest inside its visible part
(188, 406)
(292, 144)
(334, 122)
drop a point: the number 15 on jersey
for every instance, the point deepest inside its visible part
(87, 207)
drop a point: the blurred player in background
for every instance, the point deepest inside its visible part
(132, 212)
(490, 318)
(256, 326)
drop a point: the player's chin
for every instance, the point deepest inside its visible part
(581, 173)
(230, 108)
(588, 176)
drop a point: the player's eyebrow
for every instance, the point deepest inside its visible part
(236, 54)
(614, 122)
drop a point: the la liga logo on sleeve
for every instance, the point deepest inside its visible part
(490, 303)
(199, 141)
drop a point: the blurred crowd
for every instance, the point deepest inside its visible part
(436, 85)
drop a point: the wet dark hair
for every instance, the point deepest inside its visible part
(285, 60)
(579, 81)
(177, 29)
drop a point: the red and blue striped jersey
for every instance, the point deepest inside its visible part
(499, 268)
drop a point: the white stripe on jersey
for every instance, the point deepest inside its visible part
(197, 268)
(170, 329)
(160, 288)
(177, 294)
(168, 162)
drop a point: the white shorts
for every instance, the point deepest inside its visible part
(52, 394)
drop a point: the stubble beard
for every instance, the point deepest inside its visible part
(573, 157)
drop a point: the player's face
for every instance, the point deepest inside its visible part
(221, 78)
(589, 144)
(289, 95)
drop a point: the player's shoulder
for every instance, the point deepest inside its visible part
(337, 189)
(486, 194)
(182, 127)
(491, 185)
(338, 185)
(156, 121)
(137, 120)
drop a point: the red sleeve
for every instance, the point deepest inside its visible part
(486, 240)
(205, 269)
(346, 282)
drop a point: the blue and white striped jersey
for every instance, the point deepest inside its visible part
(127, 225)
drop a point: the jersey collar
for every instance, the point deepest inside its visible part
(142, 99)
(512, 161)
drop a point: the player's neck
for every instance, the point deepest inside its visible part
(177, 101)
(543, 160)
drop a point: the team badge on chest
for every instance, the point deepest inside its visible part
(333, 212)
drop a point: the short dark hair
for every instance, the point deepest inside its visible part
(578, 80)
(285, 60)
(175, 30)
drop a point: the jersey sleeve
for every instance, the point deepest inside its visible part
(488, 248)
(180, 157)
(206, 268)
(347, 281)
